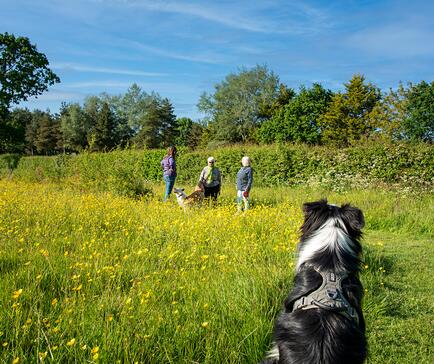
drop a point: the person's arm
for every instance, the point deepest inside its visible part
(202, 176)
(172, 165)
(249, 180)
(219, 176)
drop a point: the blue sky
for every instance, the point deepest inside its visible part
(183, 48)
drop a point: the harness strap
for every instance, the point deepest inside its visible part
(328, 296)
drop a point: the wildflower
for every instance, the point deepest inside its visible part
(95, 350)
(204, 324)
(71, 342)
(43, 355)
(17, 294)
(54, 302)
(16, 360)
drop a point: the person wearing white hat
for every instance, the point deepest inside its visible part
(211, 179)
(244, 184)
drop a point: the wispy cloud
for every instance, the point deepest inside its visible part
(304, 18)
(207, 57)
(83, 68)
(56, 95)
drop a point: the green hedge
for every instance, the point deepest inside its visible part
(127, 171)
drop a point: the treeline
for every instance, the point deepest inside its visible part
(102, 123)
(250, 106)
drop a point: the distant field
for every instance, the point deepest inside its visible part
(98, 278)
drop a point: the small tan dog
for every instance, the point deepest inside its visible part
(194, 199)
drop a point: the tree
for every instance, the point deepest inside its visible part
(75, 127)
(189, 133)
(104, 132)
(168, 123)
(31, 133)
(419, 125)
(235, 106)
(150, 134)
(13, 130)
(390, 113)
(24, 71)
(285, 95)
(348, 117)
(47, 133)
(297, 121)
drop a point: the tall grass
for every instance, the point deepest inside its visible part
(90, 277)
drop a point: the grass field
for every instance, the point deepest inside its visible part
(98, 278)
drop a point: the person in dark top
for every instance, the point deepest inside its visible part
(169, 170)
(244, 184)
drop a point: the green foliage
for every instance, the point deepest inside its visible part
(348, 117)
(236, 105)
(75, 126)
(297, 121)
(47, 133)
(402, 165)
(104, 134)
(420, 122)
(24, 71)
(8, 163)
(12, 131)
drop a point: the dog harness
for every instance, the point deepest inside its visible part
(328, 296)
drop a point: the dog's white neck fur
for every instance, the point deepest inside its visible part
(331, 236)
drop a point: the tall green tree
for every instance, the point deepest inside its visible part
(348, 117)
(31, 133)
(47, 134)
(285, 95)
(104, 132)
(150, 135)
(189, 133)
(297, 121)
(419, 124)
(75, 126)
(235, 106)
(24, 71)
(168, 123)
(12, 131)
(390, 113)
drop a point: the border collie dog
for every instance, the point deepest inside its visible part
(322, 321)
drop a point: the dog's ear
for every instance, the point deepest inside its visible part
(353, 216)
(310, 208)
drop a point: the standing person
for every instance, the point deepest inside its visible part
(169, 170)
(211, 179)
(244, 184)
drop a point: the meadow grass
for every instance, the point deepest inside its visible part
(88, 277)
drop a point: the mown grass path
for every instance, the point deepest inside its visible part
(401, 324)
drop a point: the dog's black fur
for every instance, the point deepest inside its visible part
(318, 335)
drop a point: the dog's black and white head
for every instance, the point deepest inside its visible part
(331, 236)
(179, 192)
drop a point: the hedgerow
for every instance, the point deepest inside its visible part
(127, 172)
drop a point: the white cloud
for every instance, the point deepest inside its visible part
(82, 68)
(302, 18)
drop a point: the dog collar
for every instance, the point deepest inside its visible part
(328, 296)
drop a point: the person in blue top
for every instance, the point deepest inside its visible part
(169, 170)
(244, 184)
